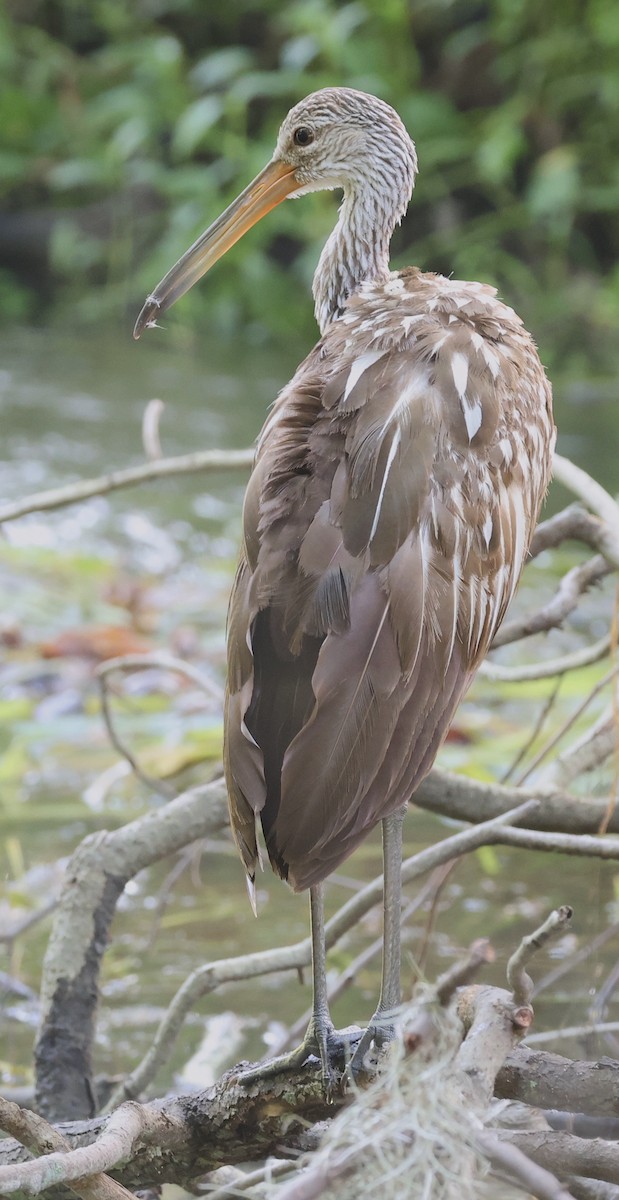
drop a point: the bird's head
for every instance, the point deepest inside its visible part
(341, 138)
(334, 138)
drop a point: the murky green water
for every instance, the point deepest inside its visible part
(71, 408)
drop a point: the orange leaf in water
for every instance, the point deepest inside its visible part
(459, 736)
(95, 642)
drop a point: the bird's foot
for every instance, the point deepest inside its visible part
(323, 1042)
(379, 1033)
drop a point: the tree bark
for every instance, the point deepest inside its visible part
(551, 1081)
(96, 875)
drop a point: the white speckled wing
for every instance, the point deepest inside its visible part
(398, 482)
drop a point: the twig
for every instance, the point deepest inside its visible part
(480, 954)
(585, 754)
(141, 662)
(74, 493)
(540, 721)
(571, 522)
(8, 936)
(582, 1125)
(571, 1031)
(569, 592)
(420, 955)
(166, 662)
(320, 1176)
(185, 859)
(241, 1181)
(567, 725)
(575, 959)
(603, 994)
(520, 983)
(562, 843)
(156, 785)
(548, 668)
(596, 498)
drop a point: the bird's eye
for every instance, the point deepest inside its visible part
(302, 136)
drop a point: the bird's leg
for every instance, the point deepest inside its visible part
(390, 987)
(380, 1029)
(320, 1028)
(320, 1031)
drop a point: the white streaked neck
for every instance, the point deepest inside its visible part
(357, 250)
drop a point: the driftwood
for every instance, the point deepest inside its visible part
(180, 1138)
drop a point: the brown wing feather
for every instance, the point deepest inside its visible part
(397, 484)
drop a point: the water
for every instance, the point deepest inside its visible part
(71, 407)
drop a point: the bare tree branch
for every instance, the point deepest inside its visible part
(573, 522)
(596, 498)
(537, 1180)
(115, 1142)
(550, 667)
(182, 1137)
(155, 785)
(421, 1023)
(37, 1135)
(534, 731)
(572, 1031)
(569, 723)
(96, 876)
(162, 468)
(517, 978)
(190, 1135)
(579, 956)
(8, 936)
(572, 587)
(228, 1183)
(463, 799)
(585, 753)
(552, 1081)
(177, 1139)
(561, 843)
(595, 1158)
(592, 1189)
(166, 662)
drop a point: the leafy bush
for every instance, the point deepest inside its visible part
(132, 125)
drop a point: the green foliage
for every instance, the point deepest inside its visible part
(134, 124)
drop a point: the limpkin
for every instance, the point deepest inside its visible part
(396, 486)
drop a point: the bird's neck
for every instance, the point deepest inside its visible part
(357, 250)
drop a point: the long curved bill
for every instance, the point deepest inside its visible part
(268, 189)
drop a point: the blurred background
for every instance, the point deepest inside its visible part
(125, 128)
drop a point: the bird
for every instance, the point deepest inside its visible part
(396, 486)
